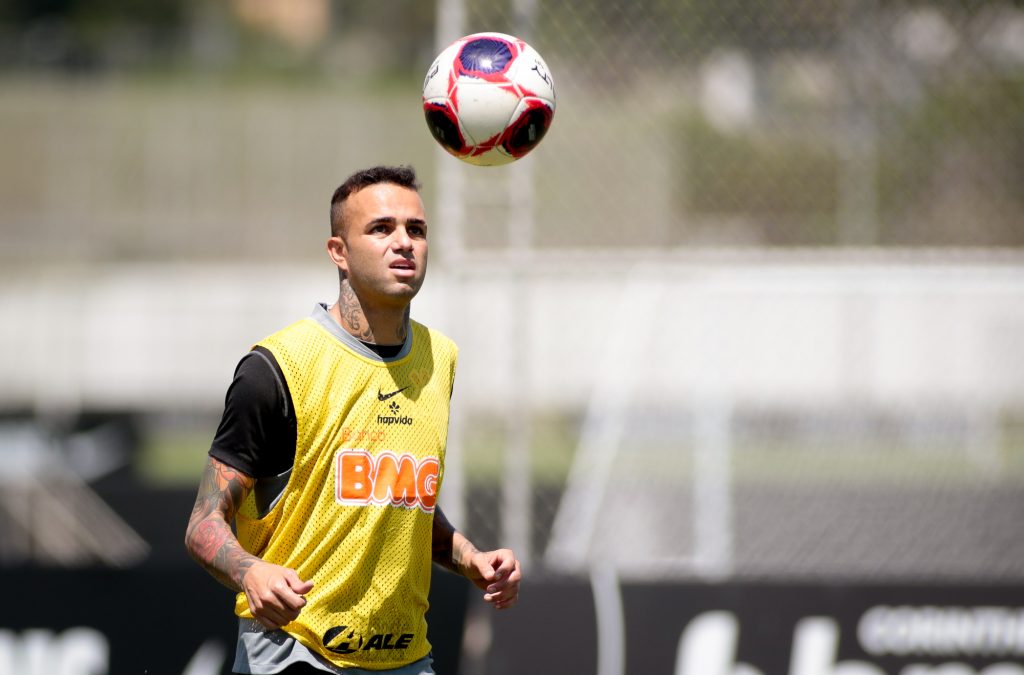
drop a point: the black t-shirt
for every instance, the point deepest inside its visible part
(257, 431)
(256, 434)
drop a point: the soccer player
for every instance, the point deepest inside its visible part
(329, 458)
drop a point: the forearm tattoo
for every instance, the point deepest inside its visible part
(209, 538)
(444, 549)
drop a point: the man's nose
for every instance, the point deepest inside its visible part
(402, 241)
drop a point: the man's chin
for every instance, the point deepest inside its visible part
(396, 293)
(403, 292)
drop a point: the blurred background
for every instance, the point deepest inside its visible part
(740, 340)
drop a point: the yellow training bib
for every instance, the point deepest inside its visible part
(357, 512)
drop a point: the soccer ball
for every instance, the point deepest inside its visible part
(488, 98)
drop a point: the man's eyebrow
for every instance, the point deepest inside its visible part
(391, 220)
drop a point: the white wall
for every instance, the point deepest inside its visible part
(783, 329)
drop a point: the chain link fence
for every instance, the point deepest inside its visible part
(781, 123)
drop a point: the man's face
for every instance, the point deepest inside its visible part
(384, 244)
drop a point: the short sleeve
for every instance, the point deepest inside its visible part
(256, 434)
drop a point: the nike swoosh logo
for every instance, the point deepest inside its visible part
(384, 397)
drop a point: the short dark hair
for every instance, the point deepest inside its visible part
(403, 176)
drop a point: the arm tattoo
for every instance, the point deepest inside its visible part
(209, 538)
(443, 548)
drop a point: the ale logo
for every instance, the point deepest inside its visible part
(362, 479)
(341, 640)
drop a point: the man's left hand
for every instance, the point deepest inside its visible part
(497, 574)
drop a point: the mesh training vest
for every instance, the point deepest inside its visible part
(356, 515)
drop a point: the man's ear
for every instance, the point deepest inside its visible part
(339, 253)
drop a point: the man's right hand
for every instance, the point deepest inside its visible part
(275, 593)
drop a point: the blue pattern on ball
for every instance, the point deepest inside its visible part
(486, 55)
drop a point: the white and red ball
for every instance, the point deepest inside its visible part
(489, 98)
